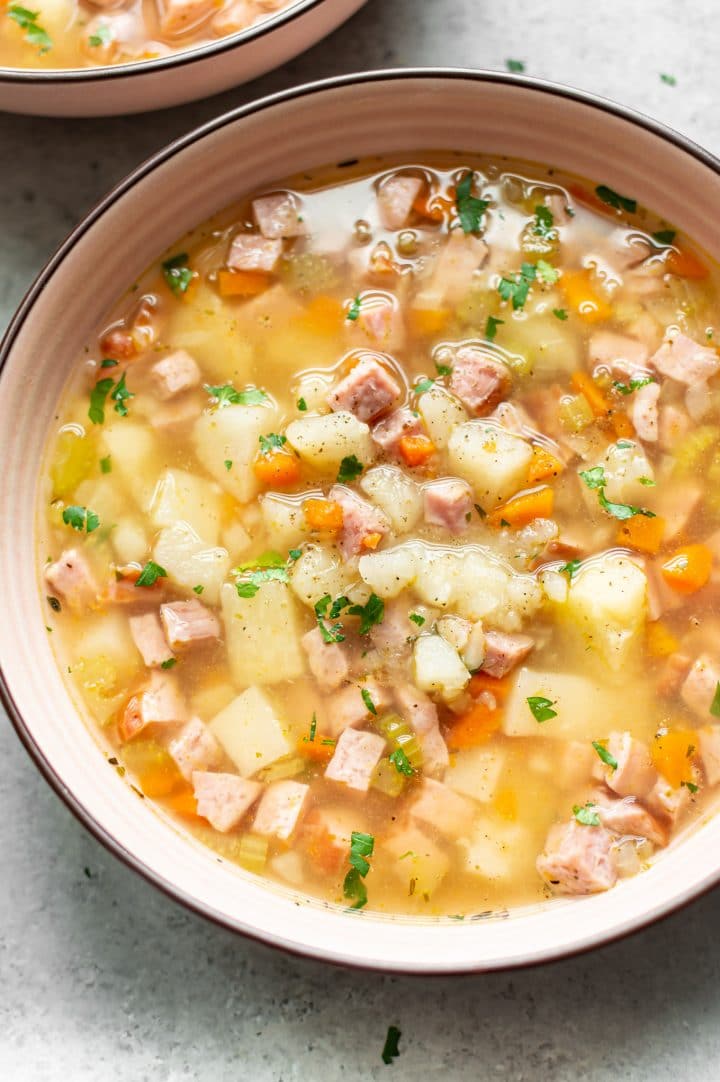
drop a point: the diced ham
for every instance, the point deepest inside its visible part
(443, 808)
(709, 746)
(478, 380)
(279, 215)
(460, 257)
(347, 708)
(326, 837)
(195, 748)
(558, 205)
(503, 652)
(149, 638)
(674, 424)
(421, 713)
(250, 252)
(390, 637)
(578, 859)
(328, 661)
(448, 503)
(380, 321)
(281, 809)
(627, 816)
(158, 703)
(616, 351)
(685, 360)
(224, 799)
(395, 198)
(361, 522)
(635, 774)
(72, 579)
(179, 16)
(673, 674)
(626, 250)
(356, 755)
(175, 374)
(667, 802)
(700, 686)
(188, 622)
(367, 390)
(388, 432)
(644, 412)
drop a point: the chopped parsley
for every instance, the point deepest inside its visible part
(633, 385)
(294, 554)
(228, 396)
(250, 581)
(120, 396)
(560, 314)
(491, 327)
(302, 405)
(586, 814)
(328, 610)
(570, 568)
(605, 755)
(690, 785)
(669, 80)
(177, 273)
(541, 708)
(198, 589)
(313, 728)
(615, 200)
(370, 614)
(168, 663)
(402, 764)
(546, 272)
(354, 310)
(517, 289)
(647, 481)
(106, 464)
(28, 21)
(390, 1048)
(367, 699)
(715, 704)
(595, 479)
(108, 362)
(228, 464)
(417, 618)
(98, 395)
(150, 574)
(470, 209)
(443, 369)
(272, 442)
(423, 386)
(102, 36)
(350, 469)
(81, 519)
(361, 847)
(664, 236)
(544, 224)
(515, 66)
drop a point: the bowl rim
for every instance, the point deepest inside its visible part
(183, 56)
(591, 939)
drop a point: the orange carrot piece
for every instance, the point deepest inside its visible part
(586, 385)
(324, 316)
(642, 533)
(688, 569)
(622, 425)
(160, 781)
(183, 803)
(543, 465)
(433, 207)
(521, 510)
(427, 321)
(672, 753)
(324, 515)
(416, 450)
(474, 727)
(660, 640)
(685, 264)
(316, 749)
(371, 540)
(583, 298)
(277, 469)
(499, 686)
(242, 283)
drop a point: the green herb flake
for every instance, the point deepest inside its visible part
(605, 755)
(108, 362)
(594, 478)
(313, 728)
(177, 273)
(402, 764)
(361, 847)
(622, 511)
(27, 21)
(715, 704)
(470, 209)
(354, 309)
(350, 469)
(249, 582)
(272, 442)
(327, 609)
(541, 708)
(417, 618)
(423, 386)
(669, 80)
(586, 815)
(367, 699)
(294, 554)
(228, 464)
(228, 396)
(102, 36)
(570, 568)
(491, 327)
(546, 272)
(633, 385)
(390, 1049)
(106, 464)
(615, 200)
(98, 395)
(690, 785)
(647, 481)
(560, 313)
(150, 573)
(370, 614)
(443, 369)
(302, 405)
(198, 589)
(544, 224)
(81, 519)
(120, 395)
(665, 237)
(515, 66)
(168, 663)
(517, 289)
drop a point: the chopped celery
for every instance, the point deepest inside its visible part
(75, 458)
(308, 272)
(387, 779)
(694, 448)
(398, 733)
(287, 767)
(575, 413)
(251, 852)
(98, 679)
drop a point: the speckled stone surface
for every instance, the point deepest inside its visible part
(101, 977)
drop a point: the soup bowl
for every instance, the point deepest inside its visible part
(189, 73)
(325, 122)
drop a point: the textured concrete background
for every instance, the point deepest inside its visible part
(102, 978)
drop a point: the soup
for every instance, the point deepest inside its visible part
(381, 526)
(78, 34)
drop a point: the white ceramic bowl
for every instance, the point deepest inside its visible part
(183, 76)
(193, 178)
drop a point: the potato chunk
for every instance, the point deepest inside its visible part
(396, 494)
(251, 732)
(493, 460)
(232, 434)
(263, 634)
(439, 667)
(607, 599)
(441, 412)
(324, 442)
(184, 497)
(190, 562)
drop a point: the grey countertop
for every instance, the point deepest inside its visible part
(103, 978)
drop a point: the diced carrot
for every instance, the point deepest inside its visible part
(474, 727)
(672, 753)
(685, 264)
(433, 207)
(642, 533)
(160, 781)
(506, 804)
(584, 383)
(583, 298)
(242, 283)
(131, 721)
(543, 465)
(416, 450)
(323, 315)
(428, 321)
(622, 425)
(499, 686)
(317, 749)
(660, 640)
(277, 469)
(324, 515)
(521, 510)
(183, 803)
(321, 845)
(688, 569)
(371, 540)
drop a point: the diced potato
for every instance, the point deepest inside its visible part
(477, 772)
(106, 499)
(324, 442)
(207, 327)
(441, 411)
(396, 494)
(283, 520)
(390, 572)
(499, 850)
(416, 860)
(437, 577)
(493, 460)
(263, 634)
(180, 496)
(438, 667)
(251, 732)
(607, 599)
(313, 390)
(133, 450)
(232, 434)
(549, 346)
(624, 464)
(236, 540)
(190, 561)
(129, 540)
(317, 572)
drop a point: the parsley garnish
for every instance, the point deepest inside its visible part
(108, 362)
(546, 272)
(541, 708)
(313, 728)
(470, 209)
(27, 21)
(515, 66)
(367, 699)
(350, 469)
(443, 369)
(251, 581)
(301, 405)
(622, 511)
(570, 568)
(491, 327)
(102, 36)
(120, 396)
(669, 80)
(544, 224)
(99, 393)
(370, 614)
(106, 464)
(586, 815)
(361, 847)
(81, 518)
(390, 1048)
(295, 554)
(614, 199)
(168, 663)
(417, 618)
(633, 385)
(198, 589)
(401, 763)
(517, 291)
(354, 309)
(715, 704)
(177, 273)
(664, 236)
(690, 785)
(324, 610)
(423, 386)
(272, 442)
(605, 755)
(150, 574)
(228, 396)
(647, 481)
(560, 313)
(594, 478)
(228, 464)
